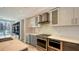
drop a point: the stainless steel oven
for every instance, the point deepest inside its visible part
(54, 44)
(42, 42)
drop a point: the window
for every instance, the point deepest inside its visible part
(5, 28)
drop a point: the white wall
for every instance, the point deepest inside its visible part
(22, 30)
(70, 31)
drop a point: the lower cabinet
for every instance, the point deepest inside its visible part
(51, 49)
(63, 46)
(28, 39)
(33, 40)
(67, 46)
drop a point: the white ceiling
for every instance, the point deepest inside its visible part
(17, 13)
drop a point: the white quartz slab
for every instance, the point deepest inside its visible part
(64, 38)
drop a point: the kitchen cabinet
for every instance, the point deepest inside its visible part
(68, 16)
(33, 40)
(34, 22)
(53, 17)
(56, 45)
(44, 18)
(39, 18)
(51, 49)
(64, 16)
(67, 46)
(28, 39)
(76, 15)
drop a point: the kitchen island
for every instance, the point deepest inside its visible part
(12, 44)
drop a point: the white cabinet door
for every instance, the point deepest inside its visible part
(53, 16)
(65, 16)
(34, 22)
(76, 15)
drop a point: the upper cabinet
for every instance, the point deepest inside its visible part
(39, 18)
(53, 16)
(64, 16)
(76, 15)
(34, 22)
(44, 18)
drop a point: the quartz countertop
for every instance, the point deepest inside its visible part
(65, 38)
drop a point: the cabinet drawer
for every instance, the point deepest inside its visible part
(70, 46)
(66, 48)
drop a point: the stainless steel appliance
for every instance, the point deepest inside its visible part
(54, 45)
(42, 42)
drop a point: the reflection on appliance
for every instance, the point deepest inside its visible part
(55, 44)
(42, 42)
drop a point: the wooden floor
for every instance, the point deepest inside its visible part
(31, 48)
(8, 44)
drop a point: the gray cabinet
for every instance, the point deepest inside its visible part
(28, 39)
(33, 40)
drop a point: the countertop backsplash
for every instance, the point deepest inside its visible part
(70, 31)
